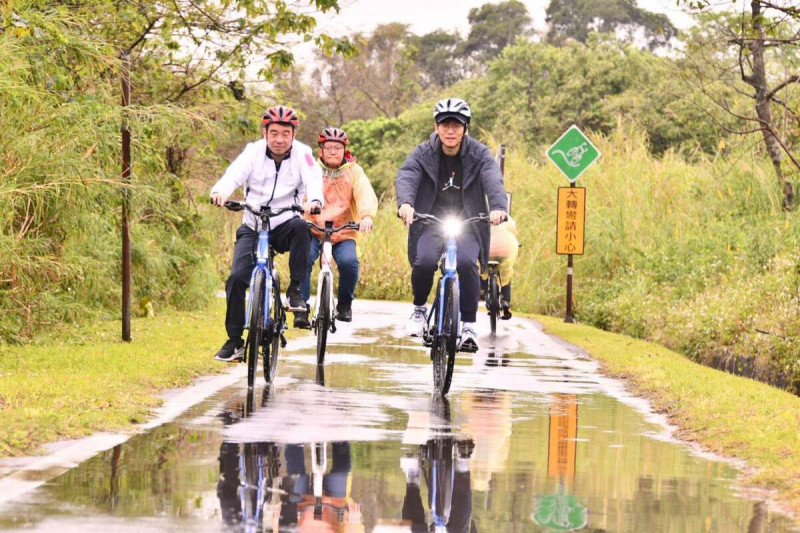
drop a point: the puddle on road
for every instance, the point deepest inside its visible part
(525, 443)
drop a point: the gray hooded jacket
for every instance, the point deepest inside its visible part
(417, 185)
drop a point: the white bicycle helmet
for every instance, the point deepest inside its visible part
(452, 108)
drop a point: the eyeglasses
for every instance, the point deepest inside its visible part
(451, 125)
(334, 149)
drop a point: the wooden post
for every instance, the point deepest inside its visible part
(126, 178)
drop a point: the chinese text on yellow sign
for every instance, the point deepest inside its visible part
(571, 220)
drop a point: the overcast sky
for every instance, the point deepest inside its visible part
(428, 15)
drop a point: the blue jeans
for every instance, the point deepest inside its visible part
(344, 253)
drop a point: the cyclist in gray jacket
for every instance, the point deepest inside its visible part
(450, 175)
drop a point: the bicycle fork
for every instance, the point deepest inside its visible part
(450, 264)
(325, 259)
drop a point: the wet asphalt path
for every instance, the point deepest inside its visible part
(532, 438)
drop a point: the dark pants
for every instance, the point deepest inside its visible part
(430, 246)
(292, 236)
(460, 519)
(344, 253)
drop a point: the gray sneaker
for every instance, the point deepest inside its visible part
(415, 327)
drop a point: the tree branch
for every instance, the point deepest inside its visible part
(791, 79)
(144, 34)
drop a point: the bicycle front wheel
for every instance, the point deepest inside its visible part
(256, 334)
(273, 344)
(443, 350)
(493, 301)
(323, 322)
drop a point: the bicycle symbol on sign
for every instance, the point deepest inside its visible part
(574, 155)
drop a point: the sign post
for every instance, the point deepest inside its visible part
(126, 195)
(572, 154)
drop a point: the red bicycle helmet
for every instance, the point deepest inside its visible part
(280, 114)
(332, 134)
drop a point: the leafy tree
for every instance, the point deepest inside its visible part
(59, 163)
(438, 57)
(495, 26)
(753, 54)
(200, 41)
(576, 19)
(379, 79)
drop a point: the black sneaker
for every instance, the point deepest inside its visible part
(231, 351)
(344, 312)
(301, 320)
(506, 307)
(296, 302)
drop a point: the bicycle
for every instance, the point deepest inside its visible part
(266, 315)
(444, 335)
(494, 297)
(449, 493)
(324, 305)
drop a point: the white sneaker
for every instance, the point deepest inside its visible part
(410, 466)
(469, 339)
(416, 324)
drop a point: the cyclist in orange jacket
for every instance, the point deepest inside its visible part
(349, 197)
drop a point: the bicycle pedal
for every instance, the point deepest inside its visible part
(470, 348)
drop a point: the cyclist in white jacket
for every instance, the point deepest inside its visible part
(277, 171)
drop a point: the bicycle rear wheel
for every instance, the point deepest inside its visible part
(443, 349)
(273, 343)
(493, 300)
(256, 334)
(323, 322)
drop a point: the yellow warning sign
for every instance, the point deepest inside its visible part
(563, 432)
(571, 220)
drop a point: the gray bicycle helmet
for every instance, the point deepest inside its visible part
(452, 108)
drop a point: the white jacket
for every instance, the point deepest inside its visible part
(255, 173)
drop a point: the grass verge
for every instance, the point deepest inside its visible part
(85, 379)
(729, 415)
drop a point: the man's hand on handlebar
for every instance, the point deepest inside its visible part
(406, 212)
(313, 207)
(218, 199)
(497, 216)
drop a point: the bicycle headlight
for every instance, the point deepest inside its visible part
(452, 227)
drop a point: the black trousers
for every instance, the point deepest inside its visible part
(292, 236)
(430, 246)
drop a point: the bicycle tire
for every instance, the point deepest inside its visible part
(273, 344)
(452, 299)
(256, 333)
(444, 345)
(493, 301)
(323, 322)
(437, 347)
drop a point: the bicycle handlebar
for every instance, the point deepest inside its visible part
(431, 218)
(265, 210)
(349, 225)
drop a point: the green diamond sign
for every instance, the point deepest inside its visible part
(572, 153)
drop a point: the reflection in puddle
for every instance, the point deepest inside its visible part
(527, 442)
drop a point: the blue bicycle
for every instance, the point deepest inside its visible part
(266, 315)
(442, 332)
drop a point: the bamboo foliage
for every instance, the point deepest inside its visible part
(59, 172)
